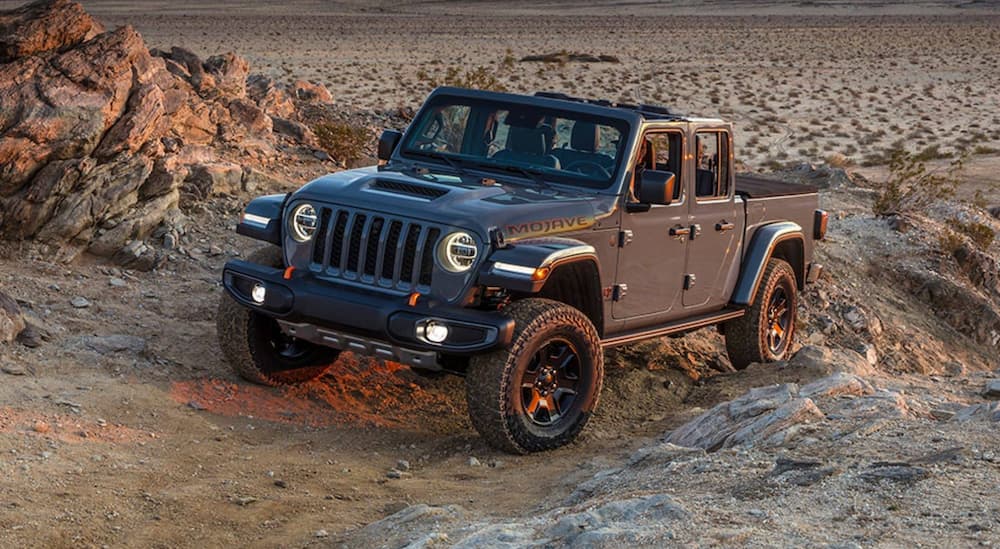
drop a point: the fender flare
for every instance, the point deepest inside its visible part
(765, 240)
(526, 265)
(261, 219)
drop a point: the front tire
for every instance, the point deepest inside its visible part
(539, 393)
(766, 331)
(258, 350)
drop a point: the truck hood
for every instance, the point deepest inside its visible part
(471, 202)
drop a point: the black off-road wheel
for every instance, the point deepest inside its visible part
(258, 350)
(539, 393)
(765, 332)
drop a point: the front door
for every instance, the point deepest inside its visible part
(715, 223)
(651, 264)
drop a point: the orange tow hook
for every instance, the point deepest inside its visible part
(288, 273)
(413, 299)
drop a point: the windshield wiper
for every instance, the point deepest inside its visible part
(441, 156)
(534, 175)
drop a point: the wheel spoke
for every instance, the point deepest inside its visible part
(552, 407)
(532, 407)
(560, 356)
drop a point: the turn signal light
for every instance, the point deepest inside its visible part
(820, 222)
(540, 273)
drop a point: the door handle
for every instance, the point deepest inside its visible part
(680, 231)
(724, 225)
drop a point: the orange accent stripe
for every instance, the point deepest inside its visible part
(288, 273)
(413, 299)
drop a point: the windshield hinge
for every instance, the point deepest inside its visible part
(624, 238)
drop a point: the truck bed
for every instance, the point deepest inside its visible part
(754, 186)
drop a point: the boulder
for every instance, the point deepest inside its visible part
(308, 91)
(824, 361)
(143, 121)
(44, 26)
(269, 96)
(247, 114)
(213, 178)
(230, 73)
(11, 319)
(764, 415)
(297, 131)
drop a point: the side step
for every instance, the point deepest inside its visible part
(672, 327)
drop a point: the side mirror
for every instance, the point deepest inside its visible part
(387, 144)
(656, 187)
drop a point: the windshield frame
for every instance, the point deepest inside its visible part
(625, 123)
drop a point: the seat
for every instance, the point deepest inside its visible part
(704, 184)
(527, 146)
(584, 141)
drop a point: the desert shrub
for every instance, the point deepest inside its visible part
(343, 141)
(479, 78)
(932, 152)
(980, 233)
(509, 59)
(950, 242)
(912, 186)
(837, 160)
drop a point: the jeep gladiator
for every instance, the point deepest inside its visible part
(509, 239)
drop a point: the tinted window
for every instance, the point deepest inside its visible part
(711, 164)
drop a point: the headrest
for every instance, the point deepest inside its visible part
(526, 140)
(586, 137)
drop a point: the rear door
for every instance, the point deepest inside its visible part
(716, 224)
(651, 264)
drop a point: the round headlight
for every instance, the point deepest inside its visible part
(457, 252)
(304, 222)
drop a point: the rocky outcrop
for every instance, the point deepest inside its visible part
(776, 415)
(96, 131)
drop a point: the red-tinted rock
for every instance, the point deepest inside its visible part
(48, 25)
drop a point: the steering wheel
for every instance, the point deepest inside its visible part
(587, 167)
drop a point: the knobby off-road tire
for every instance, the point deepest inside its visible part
(765, 332)
(255, 347)
(539, 393)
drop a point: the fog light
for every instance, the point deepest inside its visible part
(258, 293)
(436, 332)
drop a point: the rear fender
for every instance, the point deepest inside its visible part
(762, 247)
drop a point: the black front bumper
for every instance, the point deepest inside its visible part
(305, 299)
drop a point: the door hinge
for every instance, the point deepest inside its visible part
(619, 292)
(689, 280)
(625, 238)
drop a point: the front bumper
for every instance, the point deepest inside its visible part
(361, 320)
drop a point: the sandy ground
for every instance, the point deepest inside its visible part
(796, 87)
(149, 440)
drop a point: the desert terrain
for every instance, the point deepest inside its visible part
(121, 424)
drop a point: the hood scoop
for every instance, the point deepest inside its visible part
(410, 189)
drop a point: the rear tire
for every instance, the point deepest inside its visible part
(258, 350)
(766, 331)
(539, 393)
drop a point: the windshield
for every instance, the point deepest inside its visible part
(535, 142)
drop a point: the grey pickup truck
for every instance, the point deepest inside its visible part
(509, 239)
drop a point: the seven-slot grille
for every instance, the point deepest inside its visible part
(375, 249)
